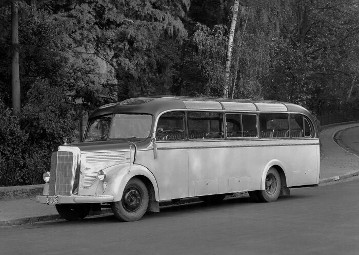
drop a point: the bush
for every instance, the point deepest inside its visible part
(12, 149)
(27, 140)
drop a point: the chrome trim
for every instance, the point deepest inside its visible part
(75, 199)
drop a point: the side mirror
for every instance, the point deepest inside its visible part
(133, 156)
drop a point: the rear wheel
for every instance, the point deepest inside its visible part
(134, 202)
(272, 187)
(73, 212)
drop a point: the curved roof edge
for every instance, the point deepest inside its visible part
(155, 105)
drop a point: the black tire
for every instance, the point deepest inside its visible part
(134, 201)
(273, 187)
(73, 212)
(213, 199)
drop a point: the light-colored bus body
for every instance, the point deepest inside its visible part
(182, 163)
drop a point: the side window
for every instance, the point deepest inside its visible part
(300, 126)
(308, 128)
(205, 125)
(274, 125)
(296, 126)
(171, 126)
(241, 125)
(234, 125)
(249, 122)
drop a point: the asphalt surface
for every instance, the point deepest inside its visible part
(322, 220)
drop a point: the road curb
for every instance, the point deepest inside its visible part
(29, 220)
(48, 218)
(17, 192)
(337, 178)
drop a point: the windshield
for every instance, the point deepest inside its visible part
(119, 126)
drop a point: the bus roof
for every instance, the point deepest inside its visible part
(156, 105)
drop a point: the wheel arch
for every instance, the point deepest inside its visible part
(277, 165)
(147, 178)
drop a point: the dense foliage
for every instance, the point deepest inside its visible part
(78, 54)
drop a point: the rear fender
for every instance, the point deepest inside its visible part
(276, 163)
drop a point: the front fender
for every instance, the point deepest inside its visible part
(118, 178)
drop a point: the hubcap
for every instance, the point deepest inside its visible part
(271, 184)
(132, 199)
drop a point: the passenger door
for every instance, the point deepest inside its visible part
(205, 131)
(171, 163)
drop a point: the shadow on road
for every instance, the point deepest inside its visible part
(179, 210)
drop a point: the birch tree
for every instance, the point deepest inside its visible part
(229, 49)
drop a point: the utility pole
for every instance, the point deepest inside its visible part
(15, 78)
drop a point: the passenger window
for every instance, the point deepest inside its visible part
(296, 126)
(205, 125)
(249, 122)
(300, 126)
(234, 125)
(308, 128)
(274, 125)
(241, 125)
(171, 127)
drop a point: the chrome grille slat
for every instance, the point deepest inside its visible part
(62, 173)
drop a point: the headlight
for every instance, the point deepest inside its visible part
(46, 177)
(101, 175)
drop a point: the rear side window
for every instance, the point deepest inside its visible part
(308, 128)
(300, 126)
(205, 125)
(274, 125)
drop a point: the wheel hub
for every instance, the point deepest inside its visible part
(271, 184)
(132, 200)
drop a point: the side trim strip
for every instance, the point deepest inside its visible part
(236, 146)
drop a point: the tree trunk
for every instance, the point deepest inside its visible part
(351, 88)
(230, 46)
(33, 5)
(15, 79)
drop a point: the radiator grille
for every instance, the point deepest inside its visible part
(62, 173)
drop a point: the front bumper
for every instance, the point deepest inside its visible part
(74, 199)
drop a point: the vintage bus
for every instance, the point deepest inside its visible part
(143, 151)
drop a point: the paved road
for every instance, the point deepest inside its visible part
(350, 139)
(322, 220)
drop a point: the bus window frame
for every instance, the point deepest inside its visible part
(241, 114)
(224, 113)
(205, 138)
(310, 124)
(271, 137)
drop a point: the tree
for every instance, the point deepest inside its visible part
(15, 58)
(229, 50)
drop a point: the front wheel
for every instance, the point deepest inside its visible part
(272, 189)
(134, 201)
(73, 212)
